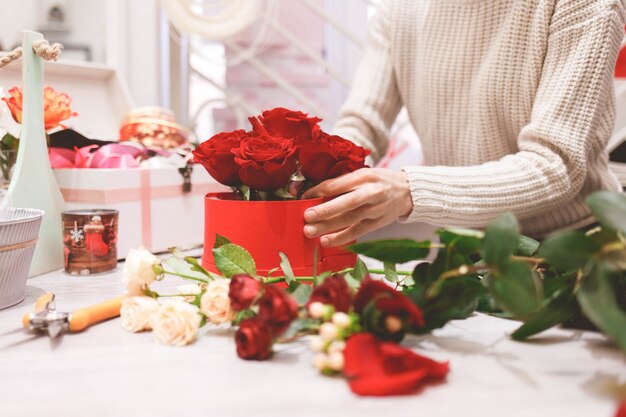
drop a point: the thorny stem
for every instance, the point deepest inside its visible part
(274, 280)
(531, 260)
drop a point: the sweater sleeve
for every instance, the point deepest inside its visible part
(568, 124)
(374, 101)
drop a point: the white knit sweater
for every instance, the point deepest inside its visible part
(513, 101)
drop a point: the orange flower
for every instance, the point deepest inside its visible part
(56, 106)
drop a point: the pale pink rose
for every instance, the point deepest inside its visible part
(176, 323)
(136, 312)
(215, 303)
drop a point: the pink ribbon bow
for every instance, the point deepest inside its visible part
(107, 156)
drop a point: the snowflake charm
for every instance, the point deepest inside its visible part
(77, 235)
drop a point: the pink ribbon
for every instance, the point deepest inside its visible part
(107, 156)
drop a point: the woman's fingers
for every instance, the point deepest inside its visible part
(339, 185)
(339, 205)
(352, 233)
(343, 220)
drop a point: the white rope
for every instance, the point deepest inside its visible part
(224, 20)
(41, 48)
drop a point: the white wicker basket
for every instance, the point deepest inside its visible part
(19, 229)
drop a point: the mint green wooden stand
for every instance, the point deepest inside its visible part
(33, 184)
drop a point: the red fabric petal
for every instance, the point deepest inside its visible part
(382, 386)
(383, 368)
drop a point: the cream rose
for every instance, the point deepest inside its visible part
(138, 270)
(188, 289)
(136, 312)
(215, 304)
(176, 323)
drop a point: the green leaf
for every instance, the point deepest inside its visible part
(501, 240)
(319, 279)
(300, 292)
(464, 240)
(516, 288)
(231, 259)
(486, 304)
(353, 283)
(457, 299)
(422, 280)
(391, 274)
(609, 207)
(395, 251)
(242, 315)
(568, 251)
(527, 246)
(360, 270)
(286, 267)
(220, 241)
(180, 266)
(597, 298)
(244, 191)
(560, 308)
(284, 193)
(553, 283)
(9, 142)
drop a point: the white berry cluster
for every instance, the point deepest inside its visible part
(335, 329)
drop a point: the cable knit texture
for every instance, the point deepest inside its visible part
(513, 101)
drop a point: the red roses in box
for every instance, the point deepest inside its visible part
(285, 153)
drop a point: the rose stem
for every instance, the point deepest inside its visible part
(274, 280)
(177, 295)
(186, 276)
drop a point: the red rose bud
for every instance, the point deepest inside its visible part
(253, 340)
(285, 123)
(266, 163)
(277, 309)
(328, 157)
(243, 290)
(333, 291)
(381, 307)
(379, 368)
(216, 156)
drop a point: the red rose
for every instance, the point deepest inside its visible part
(216, 156)
(243, 291)
(277, 309)
(266, 163)
(392, 310)
(384, 368)
(286, 123)
(329, 157)
(621, 411)
(253, 340)
(333, 291)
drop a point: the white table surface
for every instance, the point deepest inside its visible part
(106, 371)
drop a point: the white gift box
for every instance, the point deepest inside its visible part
(154, 210)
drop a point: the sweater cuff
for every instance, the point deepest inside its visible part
(428, 200)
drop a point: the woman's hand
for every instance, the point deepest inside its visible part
(368, 199)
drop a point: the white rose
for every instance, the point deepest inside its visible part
(215, 304)
(136, 312)
(176, 323)
(139, 270)
(188, 289)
